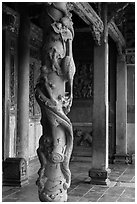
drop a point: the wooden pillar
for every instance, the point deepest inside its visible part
(99, 167)
(23, 86)
(121, 109)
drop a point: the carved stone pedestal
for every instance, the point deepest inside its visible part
(99, 177)
(15, 172)
(125, 158)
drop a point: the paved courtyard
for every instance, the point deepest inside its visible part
(121, 188)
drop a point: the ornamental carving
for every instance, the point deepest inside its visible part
(83, 83)
(82, 138)
(96, 35)
(54, 94)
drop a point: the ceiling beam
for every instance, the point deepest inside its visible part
(115, 34)
(87, 13)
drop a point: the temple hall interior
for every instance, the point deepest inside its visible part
(68, 101)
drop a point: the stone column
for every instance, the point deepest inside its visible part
(23, 85)
(22, 149)
(99, 167)
(54, 96)
(6, 94)
(121, 109)
(8, 21)
(15, 169)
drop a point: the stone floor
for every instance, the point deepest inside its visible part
(121, 188)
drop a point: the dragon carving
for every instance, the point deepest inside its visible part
(54, 94)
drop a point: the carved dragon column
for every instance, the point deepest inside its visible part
(54, 95)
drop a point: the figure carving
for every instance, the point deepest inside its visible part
(54, 94)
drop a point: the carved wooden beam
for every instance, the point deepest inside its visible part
(87, 13)
(90, 16)
(117, 36)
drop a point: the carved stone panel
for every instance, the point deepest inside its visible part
(83, 82)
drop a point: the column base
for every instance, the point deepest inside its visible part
(99, 177)
(126, 158)
(15, 172)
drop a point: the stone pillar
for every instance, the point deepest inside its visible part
(8, 21)
(6, 94)
(121, 109)
(99, 167)
(15, 169)
(23, 86)
(54, 96)
(22, 150)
